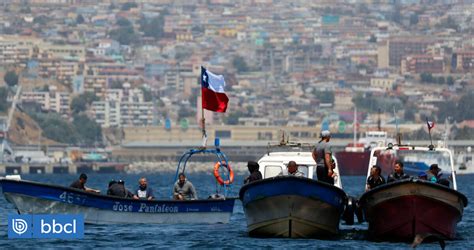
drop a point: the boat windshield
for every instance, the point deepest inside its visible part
(274, 170)
(414, 161)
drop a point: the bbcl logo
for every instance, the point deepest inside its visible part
(60, 226)
(19, 226)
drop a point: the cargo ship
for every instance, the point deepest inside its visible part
(356, 155)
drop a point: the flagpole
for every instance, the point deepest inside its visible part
(429, 130)
(203, 120)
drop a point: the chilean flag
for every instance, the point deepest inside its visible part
(212, 88)
(430, 124)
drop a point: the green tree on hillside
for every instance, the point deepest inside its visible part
(123, 22)
(80, 19)
(154, 27)
(419, 134)
(88, 131)
(464, 133)
(11, 78)
(55, 127)
(125, 34)
(147, 94)
(466, 107)
(3, 100)
(80, 102)
(128, 6)
(427, 77)
(240, 64)
(325, 96)
(233, 118)
(450, 80)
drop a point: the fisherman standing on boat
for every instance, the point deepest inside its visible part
(255, 174)
(184, 189)
(80, 184)
(143, 191)
(292, 169)
(398, 173)
(322, 155)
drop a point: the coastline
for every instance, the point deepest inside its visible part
(170, 167)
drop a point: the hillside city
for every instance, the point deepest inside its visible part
(97, 72)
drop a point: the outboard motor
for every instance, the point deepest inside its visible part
(358, 212)
(348, 215)
(352, 208)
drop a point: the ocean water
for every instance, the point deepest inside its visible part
(232, 235)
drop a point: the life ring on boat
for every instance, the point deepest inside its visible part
(218, 176)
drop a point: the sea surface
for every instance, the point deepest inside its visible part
(229, 236)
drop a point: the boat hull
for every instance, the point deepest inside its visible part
(353, 163)
(292, 207)
(37, 198)
(400, 211)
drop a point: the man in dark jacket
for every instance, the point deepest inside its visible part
(375, 179)
(80, 184)
(118, 189)
(255, 174)
(398, 173)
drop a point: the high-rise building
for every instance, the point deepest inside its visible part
(400, 47)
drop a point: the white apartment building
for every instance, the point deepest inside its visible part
(58, 102)
(122, 108)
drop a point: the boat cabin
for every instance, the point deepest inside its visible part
(272, 163)
(415, 159)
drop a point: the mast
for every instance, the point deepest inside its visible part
(446, 132)
(379, 122)
(354, 125)
(203, 120)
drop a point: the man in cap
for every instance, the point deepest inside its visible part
(118, 189)
(432, 174)
(322, 155)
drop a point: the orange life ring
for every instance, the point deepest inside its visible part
(219, 178)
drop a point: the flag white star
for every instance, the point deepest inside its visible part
(204, 77)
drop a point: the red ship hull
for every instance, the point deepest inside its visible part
(353, 163)
(400, 211)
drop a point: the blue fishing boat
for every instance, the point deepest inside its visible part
(289, 206)
(30, 197)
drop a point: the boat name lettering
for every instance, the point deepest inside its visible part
(144, 208)
(72, 198)
(122, 208)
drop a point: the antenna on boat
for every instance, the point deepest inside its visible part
(399, 135)
(379, 122)
(354, 125)
(283, 139)
(446, 132)
(430, 126)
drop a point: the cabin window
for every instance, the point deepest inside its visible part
(304, 169)
(272, 171)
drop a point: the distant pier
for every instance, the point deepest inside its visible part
(38, 168)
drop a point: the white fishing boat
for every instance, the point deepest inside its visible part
(289, 206)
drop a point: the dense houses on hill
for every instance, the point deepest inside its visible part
(286, 63)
